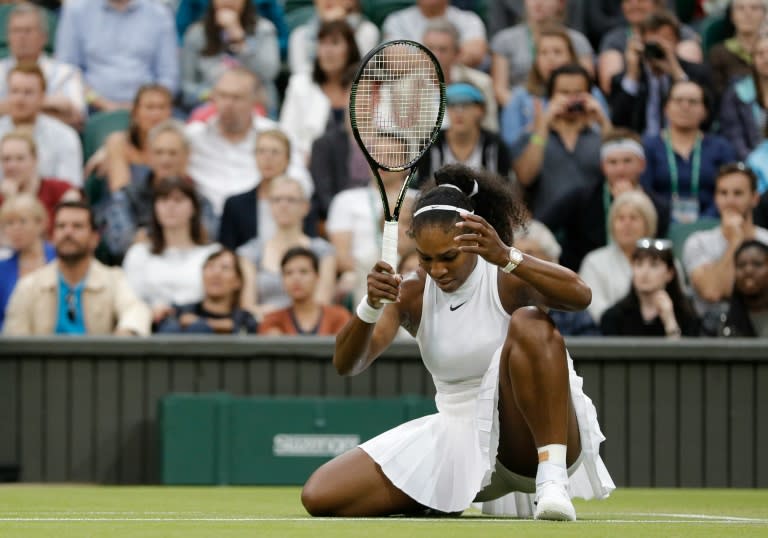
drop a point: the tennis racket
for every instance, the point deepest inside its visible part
(396, 108)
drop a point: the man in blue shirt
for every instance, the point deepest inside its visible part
(119, 45)
(75, 294)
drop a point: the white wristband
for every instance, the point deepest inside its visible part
(367, 313)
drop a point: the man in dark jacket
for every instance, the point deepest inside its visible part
(651, 66)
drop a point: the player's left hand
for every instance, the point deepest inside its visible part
(481, 238)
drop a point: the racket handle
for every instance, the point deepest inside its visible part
(389, 245)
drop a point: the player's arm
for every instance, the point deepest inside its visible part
(361, 341)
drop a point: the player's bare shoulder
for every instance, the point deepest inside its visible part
(411, 293)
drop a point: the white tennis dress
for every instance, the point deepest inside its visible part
(445, 460)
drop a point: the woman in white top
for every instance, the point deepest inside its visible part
(607, 270)
(315, 100)
(510, 406)
(166, 270)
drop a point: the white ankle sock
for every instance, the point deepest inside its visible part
(553, 454)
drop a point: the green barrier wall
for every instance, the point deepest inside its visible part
(219, 439)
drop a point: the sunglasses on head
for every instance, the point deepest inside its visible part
(648, 243)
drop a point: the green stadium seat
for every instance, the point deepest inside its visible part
(99, 126)
(713, 30)
(298, 16)
(377, 10)
(685, 10)
(679, 232)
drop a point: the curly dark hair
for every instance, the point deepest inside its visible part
(213, 42)
(497, 200)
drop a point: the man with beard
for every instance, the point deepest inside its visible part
(75, 294)
(708, 255)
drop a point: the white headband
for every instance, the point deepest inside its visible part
(475, 187)
(624, 144)
(442, 207)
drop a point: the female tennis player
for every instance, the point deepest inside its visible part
(514, 429)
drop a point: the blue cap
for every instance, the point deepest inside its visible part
(462, 93)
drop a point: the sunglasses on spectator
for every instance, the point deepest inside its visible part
(71, 306)
(648, 243)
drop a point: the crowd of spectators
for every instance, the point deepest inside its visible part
(180, 166)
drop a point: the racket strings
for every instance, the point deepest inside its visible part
(397, 105)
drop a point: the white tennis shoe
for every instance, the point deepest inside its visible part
(553, 502)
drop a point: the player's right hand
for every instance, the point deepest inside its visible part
(383, 284)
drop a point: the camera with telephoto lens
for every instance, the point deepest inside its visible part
(654, 51)
(575, 106)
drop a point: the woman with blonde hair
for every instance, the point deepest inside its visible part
(264, 292)
(607, 270)
(22, 226)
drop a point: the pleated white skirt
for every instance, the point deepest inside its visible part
(444, 460)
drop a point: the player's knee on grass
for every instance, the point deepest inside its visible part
(316, 498)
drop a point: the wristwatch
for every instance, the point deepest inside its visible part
(515, 258)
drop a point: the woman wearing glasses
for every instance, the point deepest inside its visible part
(655, 304)
(289, 205)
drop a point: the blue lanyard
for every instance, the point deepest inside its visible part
(695, 167)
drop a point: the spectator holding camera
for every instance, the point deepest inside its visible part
(561, 155)
(614, 44)
(651, 65)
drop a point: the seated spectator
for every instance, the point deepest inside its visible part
(464, 141)
(18, 161)
(60, 154)
(231, 33)
(553, 49)
(336, 163)
(616, 43)
(682, 160)
(355, 223)
(655, 304)
(302, 47)
(622, 160)
(410, 23)
(651, 65)
(124, 216)
(743, 107)
(607, 270)
(313, 101)
(124, 156)
(119, 46)
(219, 312)
(442, 38)
(708, 255)
(561, 156)
(22, 226)
(536, 240)
(514, 48)
(732, 58)
(289, 206)
(75, 294)
(190, 11)
(165, 269)
(249, 214)
(222, 161)
(748, 310)
(27, 35)
(305, 315)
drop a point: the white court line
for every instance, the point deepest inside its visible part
(485, 521)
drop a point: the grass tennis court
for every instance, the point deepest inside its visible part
(165, 512)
